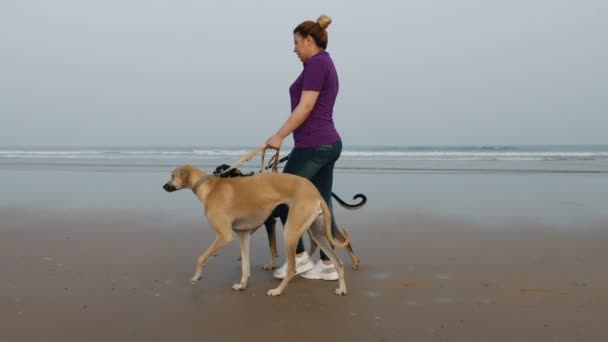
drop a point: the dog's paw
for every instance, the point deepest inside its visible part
(268, 267)
(274, 292)
(340, 292)
(239, 287)
(195, 280)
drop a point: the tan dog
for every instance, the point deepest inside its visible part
(270, 223)
(243, 204)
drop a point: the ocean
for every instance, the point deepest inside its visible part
(554, 185)
(386, 159)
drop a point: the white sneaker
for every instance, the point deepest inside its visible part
(303, 264)
(321, 271)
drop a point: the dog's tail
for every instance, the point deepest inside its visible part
(330, 237)
(355, 206)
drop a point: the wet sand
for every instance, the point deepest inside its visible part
(122, 276)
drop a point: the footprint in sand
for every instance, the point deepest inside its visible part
(444, 300)
(411, 303)
(380, 276)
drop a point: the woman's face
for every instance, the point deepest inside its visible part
(302, 46)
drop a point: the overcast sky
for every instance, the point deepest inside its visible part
(182, 73)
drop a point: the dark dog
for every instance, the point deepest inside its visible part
(270, 223)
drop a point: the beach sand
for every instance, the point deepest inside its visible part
(123, 275)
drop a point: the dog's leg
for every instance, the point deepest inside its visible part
(353, 257)
(349, 248)
(290, 255)
(291, 237)
(224, 236)
(250, 233)
(270, 225)
(295, 226)
(318, 234)
(245, 266)
(313, 244)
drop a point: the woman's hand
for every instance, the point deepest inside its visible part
(274, 141)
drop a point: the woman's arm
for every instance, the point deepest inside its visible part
(297, 117)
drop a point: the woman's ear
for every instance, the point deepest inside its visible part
(308, 40)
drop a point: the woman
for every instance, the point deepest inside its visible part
(317, 143)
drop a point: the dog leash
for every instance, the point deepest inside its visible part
(274, 164)
(262, 149)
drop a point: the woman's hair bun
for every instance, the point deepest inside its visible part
(324, 21)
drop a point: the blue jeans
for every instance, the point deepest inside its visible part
(317, 165)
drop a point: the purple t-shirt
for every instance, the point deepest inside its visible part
(320, 75)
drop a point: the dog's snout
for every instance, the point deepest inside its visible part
(169, 188)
